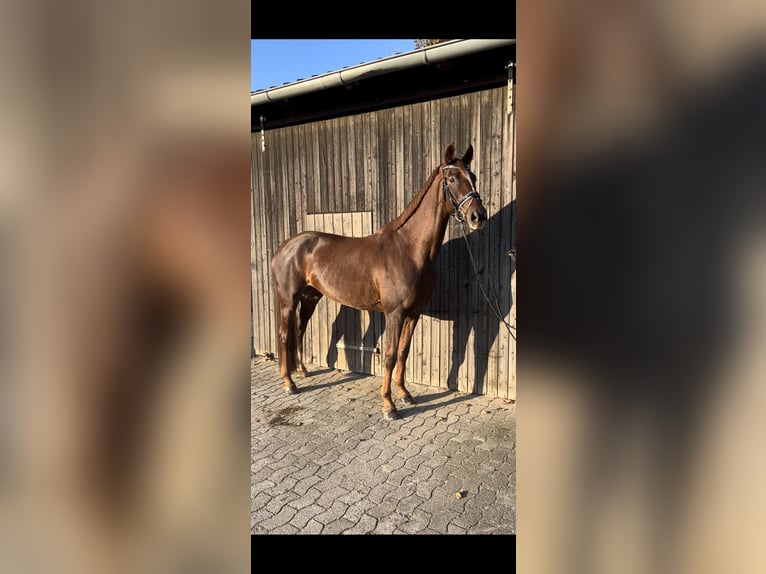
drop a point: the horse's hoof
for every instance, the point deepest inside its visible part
(391, 415)
(407, 400)
(291, 389)
(303, 373)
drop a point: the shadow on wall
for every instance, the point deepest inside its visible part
(348, 327)
(456, 291)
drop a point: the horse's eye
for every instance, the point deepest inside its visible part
(452, 179)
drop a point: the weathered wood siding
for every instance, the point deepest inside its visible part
(351, 175)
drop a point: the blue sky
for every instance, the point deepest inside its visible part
(275, 62)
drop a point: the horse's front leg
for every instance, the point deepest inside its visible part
(401, 360)
(392, 334)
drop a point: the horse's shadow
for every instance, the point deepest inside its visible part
(431, 401)
(456, 289)
(347, 378)
(348, 327)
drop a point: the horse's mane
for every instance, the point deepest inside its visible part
(412, 206)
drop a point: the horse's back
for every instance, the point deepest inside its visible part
(308, 242)
(340, 267)
(297, 252)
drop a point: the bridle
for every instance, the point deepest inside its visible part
(457, 206)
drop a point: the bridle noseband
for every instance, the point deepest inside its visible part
(458, 206)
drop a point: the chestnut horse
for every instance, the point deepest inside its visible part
(391, 271)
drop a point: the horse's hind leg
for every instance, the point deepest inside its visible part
(287, 343)
(401, 358)
(309, 300)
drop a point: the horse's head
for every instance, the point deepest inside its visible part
(458, 182)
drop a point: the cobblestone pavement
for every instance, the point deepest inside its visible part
(325, 461)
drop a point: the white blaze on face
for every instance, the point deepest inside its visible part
(466, 175)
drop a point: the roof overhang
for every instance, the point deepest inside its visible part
(440, 70)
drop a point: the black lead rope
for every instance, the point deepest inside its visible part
(496, 306)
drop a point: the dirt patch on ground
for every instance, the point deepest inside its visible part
(283, 417)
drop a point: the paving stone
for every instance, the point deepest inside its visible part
(397, 477)
(310, 469)
(468, 518)
(330, 495)
(303, 485)
(408, 504)
(440, 520)
(498, 522)
(388, 524)
(415, 522)
(455, 529)
(305, 515)
(278, 502)
(365, 524)
(338, 526)
(310, 497)
(425, 489)
(353, 497)
(286, 529)
(283, 517)
(285, 485)
(335, 511)
(258, 501)
(383, 509)
(380, 491)
(313, 527)
(358, 509)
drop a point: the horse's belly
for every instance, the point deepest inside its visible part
(347, 293)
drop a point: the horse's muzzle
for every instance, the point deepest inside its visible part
(478, 218)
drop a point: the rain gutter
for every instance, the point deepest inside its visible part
(423, 56)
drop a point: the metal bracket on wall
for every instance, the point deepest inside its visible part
(263, 137)
(375, 350)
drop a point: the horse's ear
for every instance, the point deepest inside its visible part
(468, 155)
(449, 153)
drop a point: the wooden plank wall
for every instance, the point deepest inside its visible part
(351, 175)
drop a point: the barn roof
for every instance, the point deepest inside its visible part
(449, 68)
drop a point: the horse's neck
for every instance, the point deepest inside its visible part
(425, 230)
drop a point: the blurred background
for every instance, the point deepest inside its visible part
(642, 241)
(124, 245)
